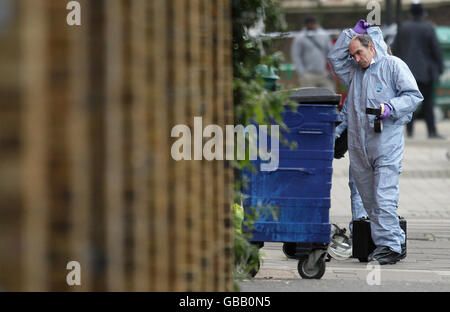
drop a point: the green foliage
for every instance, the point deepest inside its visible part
(246, 255)
(246, 13)
(247, 258)
(253, 104)
(252, 101)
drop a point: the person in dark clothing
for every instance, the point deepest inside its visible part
(417, 45)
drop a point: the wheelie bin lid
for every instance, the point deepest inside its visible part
(314, 96)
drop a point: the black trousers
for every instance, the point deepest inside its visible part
(427, 90)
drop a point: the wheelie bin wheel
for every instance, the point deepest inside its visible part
(365, 259)
(310, 269)
(289, 250)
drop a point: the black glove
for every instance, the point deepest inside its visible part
(340, 145)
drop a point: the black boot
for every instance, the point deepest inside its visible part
(403, 254)
(383, 255)
(436, 136)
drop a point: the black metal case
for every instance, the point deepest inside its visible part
(362, 239)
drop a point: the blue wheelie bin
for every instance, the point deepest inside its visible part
(300, 186)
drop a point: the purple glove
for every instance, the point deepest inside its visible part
(385, 111)
(361, 27)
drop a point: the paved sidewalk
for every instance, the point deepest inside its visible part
(424, 201)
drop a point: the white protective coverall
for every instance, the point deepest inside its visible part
(376, 157)
(357, 206)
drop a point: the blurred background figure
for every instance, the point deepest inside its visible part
(417, 44)
(308, 52)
